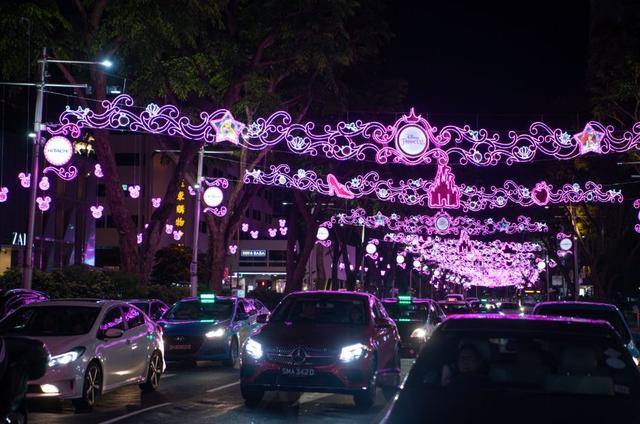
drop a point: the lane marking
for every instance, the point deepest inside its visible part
(313, 397)
(168, 375)
(215, 389)
(131, 414)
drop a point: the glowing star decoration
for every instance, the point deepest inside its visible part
(540, 194)
(97, 171)
(272, 232)
(338, 189)
(44, 184)
(283, 231)
(177, 235)
(96, 211)
(58, 150)
(4, 194)
(254, 234)
(282, 222)
(134, 191)
(589, 140)
(139, 238)
(168, 228)
(244, 227)
(443, 191)
(233, 248)
(25, 179)
(43, 203)
(155, 202)
(227, 128)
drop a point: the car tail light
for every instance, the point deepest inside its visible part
(159, 328)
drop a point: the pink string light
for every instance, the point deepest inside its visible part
(4, 194)
(25, 179)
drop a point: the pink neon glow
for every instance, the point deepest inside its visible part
(233, 248)
(43, 203)
(414, 191)
(44, 184)
(213, 208)
(25, 179)
(192, 192)
(155, 202)
(341, 265)
(356, 140)
(67, 174)
(96, 211)
(58, 150)
(245, 227)
(338, 189)
(168, 228)
(254, 234)
(97, 171)
(177, 235)
(282, 222)
(589, 139)
(283, 231)
(636, 204)
(139, 238)
(134, 191)
(273, 232)
(443, 192)
(227, 128)
(4, 194)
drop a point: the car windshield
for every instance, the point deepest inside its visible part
(455, 308)
(524, 362)
(321, 311)
(411, 312)
(196, 310)
(610, 315)
(50, 321)
(509, 306)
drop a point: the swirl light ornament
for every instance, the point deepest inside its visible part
(415, 192)
(64, 173)
(411, 140)
(441, 223)
(215, 208)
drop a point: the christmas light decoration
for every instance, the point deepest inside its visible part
(97, 171)
(96, 211)
(44, 184)
(43, 203)
(4, 194)
(25, 179)
(213, 196)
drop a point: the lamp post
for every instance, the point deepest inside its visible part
(38, 127)
(196, 227)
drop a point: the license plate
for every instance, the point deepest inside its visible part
(179, 347)
(298, 372)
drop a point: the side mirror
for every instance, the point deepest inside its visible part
(113, 333)
(262, 319)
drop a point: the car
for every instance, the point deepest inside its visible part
(592, 310)
(416, 319)
(94, 346)
(323, 341)
(154, 308)
(509, 308)
(455, 307)
(492, 368)
(11, 300)
(208, 328)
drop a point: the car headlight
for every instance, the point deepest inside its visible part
(419, 333)
(636, 361)
(66, 358)
(352, 352)
(218, 332)
(253, 349)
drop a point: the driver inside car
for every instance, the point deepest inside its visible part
(469, 369)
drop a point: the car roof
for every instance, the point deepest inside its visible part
(78, 302)
(446, 302)
(533, 323)
(141, 300)
(330, 293)
(594, 306)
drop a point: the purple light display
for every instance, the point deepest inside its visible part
(44, 184)
(4, 194)
(67, 174)
(636, 204)
(96, 211)
(155, 202)
(430, 225)
(43, 203)
(233, 248)
(25, 179)
(215, 208)
(168, 228)
(411, 140)
(134, 191)
(416, 191)
(97, 171)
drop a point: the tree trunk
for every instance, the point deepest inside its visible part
(218, 252)
(321, 272)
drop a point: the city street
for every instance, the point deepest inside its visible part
(199, 395)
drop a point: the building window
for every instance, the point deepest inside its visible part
(127, 159)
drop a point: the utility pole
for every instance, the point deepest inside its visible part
(196, 226)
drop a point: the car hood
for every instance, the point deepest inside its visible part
(331, 336)
(190, 328)
(58, 345)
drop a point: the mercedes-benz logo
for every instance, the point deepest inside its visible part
(180, 339)
(298, 356)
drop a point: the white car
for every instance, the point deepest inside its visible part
(95, 346)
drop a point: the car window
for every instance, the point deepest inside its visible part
(408, 312)
(50, 321)
(194, 310)
(610, 315)
(143, 306)
(133, 317)
(308, 309)
(249, 309)
(113, 319)
(158, 309)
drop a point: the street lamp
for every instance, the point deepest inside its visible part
(36, 135)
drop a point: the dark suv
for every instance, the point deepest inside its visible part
(323, 341)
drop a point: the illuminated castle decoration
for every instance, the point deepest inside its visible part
(464, 244)
(227, 128)
(338, 189)
(589, 140)
(443, 192)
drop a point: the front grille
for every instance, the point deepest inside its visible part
(292, 356)
(194, 341)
